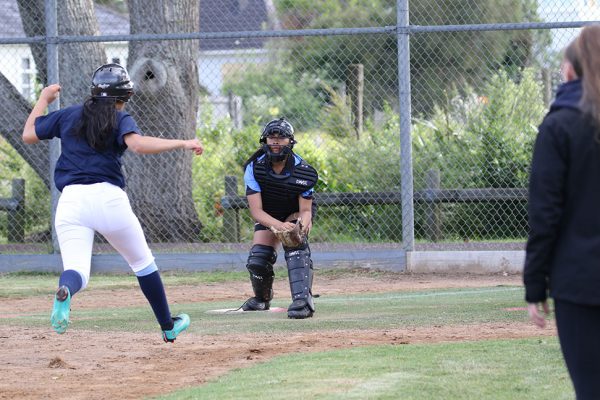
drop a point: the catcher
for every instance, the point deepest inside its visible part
(279, 188)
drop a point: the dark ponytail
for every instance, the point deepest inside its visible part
(98, 122)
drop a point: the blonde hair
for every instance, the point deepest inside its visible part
(588, 54)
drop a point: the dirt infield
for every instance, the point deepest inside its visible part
(36, 363)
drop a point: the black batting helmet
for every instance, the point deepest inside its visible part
(282, 128)
(112, 80)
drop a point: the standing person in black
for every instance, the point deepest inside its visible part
(279, 188)
(563, 250)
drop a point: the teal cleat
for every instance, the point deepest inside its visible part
(180, 324)
(61, 310)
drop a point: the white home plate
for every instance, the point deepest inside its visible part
(240, 311)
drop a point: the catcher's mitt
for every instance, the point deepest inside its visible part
(291, 238)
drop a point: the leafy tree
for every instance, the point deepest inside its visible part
(273, 90)
(439, 61)
(481, 141)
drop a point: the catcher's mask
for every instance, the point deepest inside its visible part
(282, 128)
(112, 81)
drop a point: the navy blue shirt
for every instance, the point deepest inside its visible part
(79, 163)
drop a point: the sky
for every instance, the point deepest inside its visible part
(567, 11)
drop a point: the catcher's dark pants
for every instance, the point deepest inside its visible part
(578, 329)
(260, 227)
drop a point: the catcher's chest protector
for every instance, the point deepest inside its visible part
(280, 193)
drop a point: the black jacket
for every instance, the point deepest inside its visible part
(563, 248)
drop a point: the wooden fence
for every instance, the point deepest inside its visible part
(433, 194)
(15, 208)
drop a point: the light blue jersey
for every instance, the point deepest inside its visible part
(252, 185)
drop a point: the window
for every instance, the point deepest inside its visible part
(26, 78)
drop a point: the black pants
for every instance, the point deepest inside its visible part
(579, 335)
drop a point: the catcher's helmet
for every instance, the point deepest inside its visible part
(282, 128)
(112, 80)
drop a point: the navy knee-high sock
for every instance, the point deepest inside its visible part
(153, 289)
(71, 279)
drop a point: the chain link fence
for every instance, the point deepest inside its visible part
(481, 75)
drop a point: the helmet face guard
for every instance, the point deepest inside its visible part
(112, 81)
(283, 129)
(275, 157)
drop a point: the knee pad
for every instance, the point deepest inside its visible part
(260, 267)
(300, 274)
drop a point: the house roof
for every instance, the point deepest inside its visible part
(231, 16)
(215, 16)
(11, 21)
(111, 22)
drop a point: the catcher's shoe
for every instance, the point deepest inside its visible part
(61, 309)
(180, 324)
(254, 304)
(299, 309)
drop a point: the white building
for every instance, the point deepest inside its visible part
(16, 61)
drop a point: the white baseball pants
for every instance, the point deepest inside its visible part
(104, 208)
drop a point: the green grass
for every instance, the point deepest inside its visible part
(26, 284)
(367, 311)
(501, 369)
(374, 311)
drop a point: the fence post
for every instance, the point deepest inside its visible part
(234, 105)
(52, 53)
(355, 87)
(16, 220)
(231, 219)
(433, 224)
(404, 103)
(547, 86)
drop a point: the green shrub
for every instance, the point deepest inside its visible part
(481, 141)
(273, 90)
(37, 196)
(225, 151)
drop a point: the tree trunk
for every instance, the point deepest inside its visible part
(165, 104)
(15, 110)
(166, 101)
(77, 63)
(32, 18)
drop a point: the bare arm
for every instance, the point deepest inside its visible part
(260, 216)
(153, 145)
(48, 95)
(306, 213)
